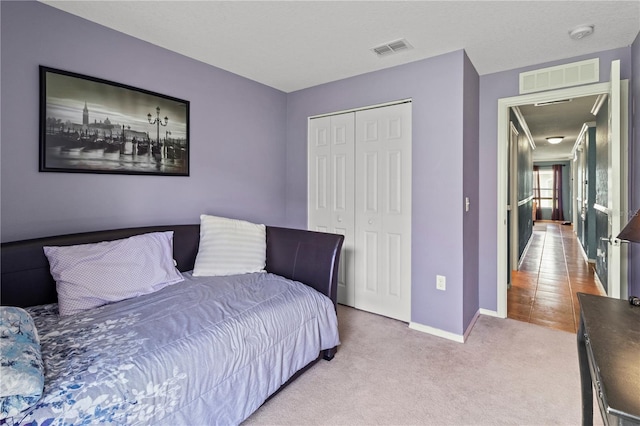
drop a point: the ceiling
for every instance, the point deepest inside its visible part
(292, 45)
(561, 119)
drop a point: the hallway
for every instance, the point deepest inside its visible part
(553, 270)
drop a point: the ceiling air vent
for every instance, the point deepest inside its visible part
(391, 47)
(561, 101)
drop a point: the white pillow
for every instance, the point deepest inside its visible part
(230, 247)
(91, 275)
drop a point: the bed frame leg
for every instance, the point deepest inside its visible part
(328, 354)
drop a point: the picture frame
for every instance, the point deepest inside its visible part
(91, 125)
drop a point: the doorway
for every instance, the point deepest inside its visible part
(504, 106)
(547, 263)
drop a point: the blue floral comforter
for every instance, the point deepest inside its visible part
(208, 350)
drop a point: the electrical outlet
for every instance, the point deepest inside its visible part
(441, 282)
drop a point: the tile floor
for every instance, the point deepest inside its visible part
(553, 270)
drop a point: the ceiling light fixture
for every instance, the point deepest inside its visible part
(555, 139)
(581, 31)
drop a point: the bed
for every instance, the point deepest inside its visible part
(207, 350)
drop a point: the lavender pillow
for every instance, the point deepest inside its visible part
(91, 275)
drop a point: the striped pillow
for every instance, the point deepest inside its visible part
(230, 247)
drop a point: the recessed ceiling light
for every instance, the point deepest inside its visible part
(555, 139)
(581, 31)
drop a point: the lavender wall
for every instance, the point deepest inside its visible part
(436, 87)
(634, 172)
(237, 133)
(241, 165)
(493, 87)
(470, 189)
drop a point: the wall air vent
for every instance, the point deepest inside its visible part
(391, 47)
(573, 74)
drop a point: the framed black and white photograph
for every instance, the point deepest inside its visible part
(90, 125)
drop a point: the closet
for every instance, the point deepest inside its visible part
(359, 185)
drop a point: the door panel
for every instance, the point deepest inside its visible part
(370, 256)
(322, 172)
(383, 211)
(615, 187)
(394, 245)
(331, 191)
(339, 177)
(601, 199)
(394, 184)
(611, 190)
(371, 183)
(512, 215)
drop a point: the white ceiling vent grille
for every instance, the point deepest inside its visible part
(391, 47)
(561, 101)
(583, 72)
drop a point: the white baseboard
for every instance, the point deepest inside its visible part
(524, 252)
(489, 313)
(584, 253)
(599, 283)
(436, 332)
(445, 334)
(471, 324)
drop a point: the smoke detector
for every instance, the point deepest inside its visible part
(391, 47)
(581, 31)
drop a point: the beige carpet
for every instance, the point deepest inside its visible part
(508, 372)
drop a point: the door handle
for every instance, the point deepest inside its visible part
(613, 241)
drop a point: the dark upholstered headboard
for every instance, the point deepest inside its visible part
(305, 256)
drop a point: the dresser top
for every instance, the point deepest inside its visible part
(613, 329)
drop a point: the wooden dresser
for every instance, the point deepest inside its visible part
(609, 356)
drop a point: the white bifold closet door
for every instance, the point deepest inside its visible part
(383, 211)
(360, 186)
(331, 190)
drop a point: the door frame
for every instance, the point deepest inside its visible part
(504, 105)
